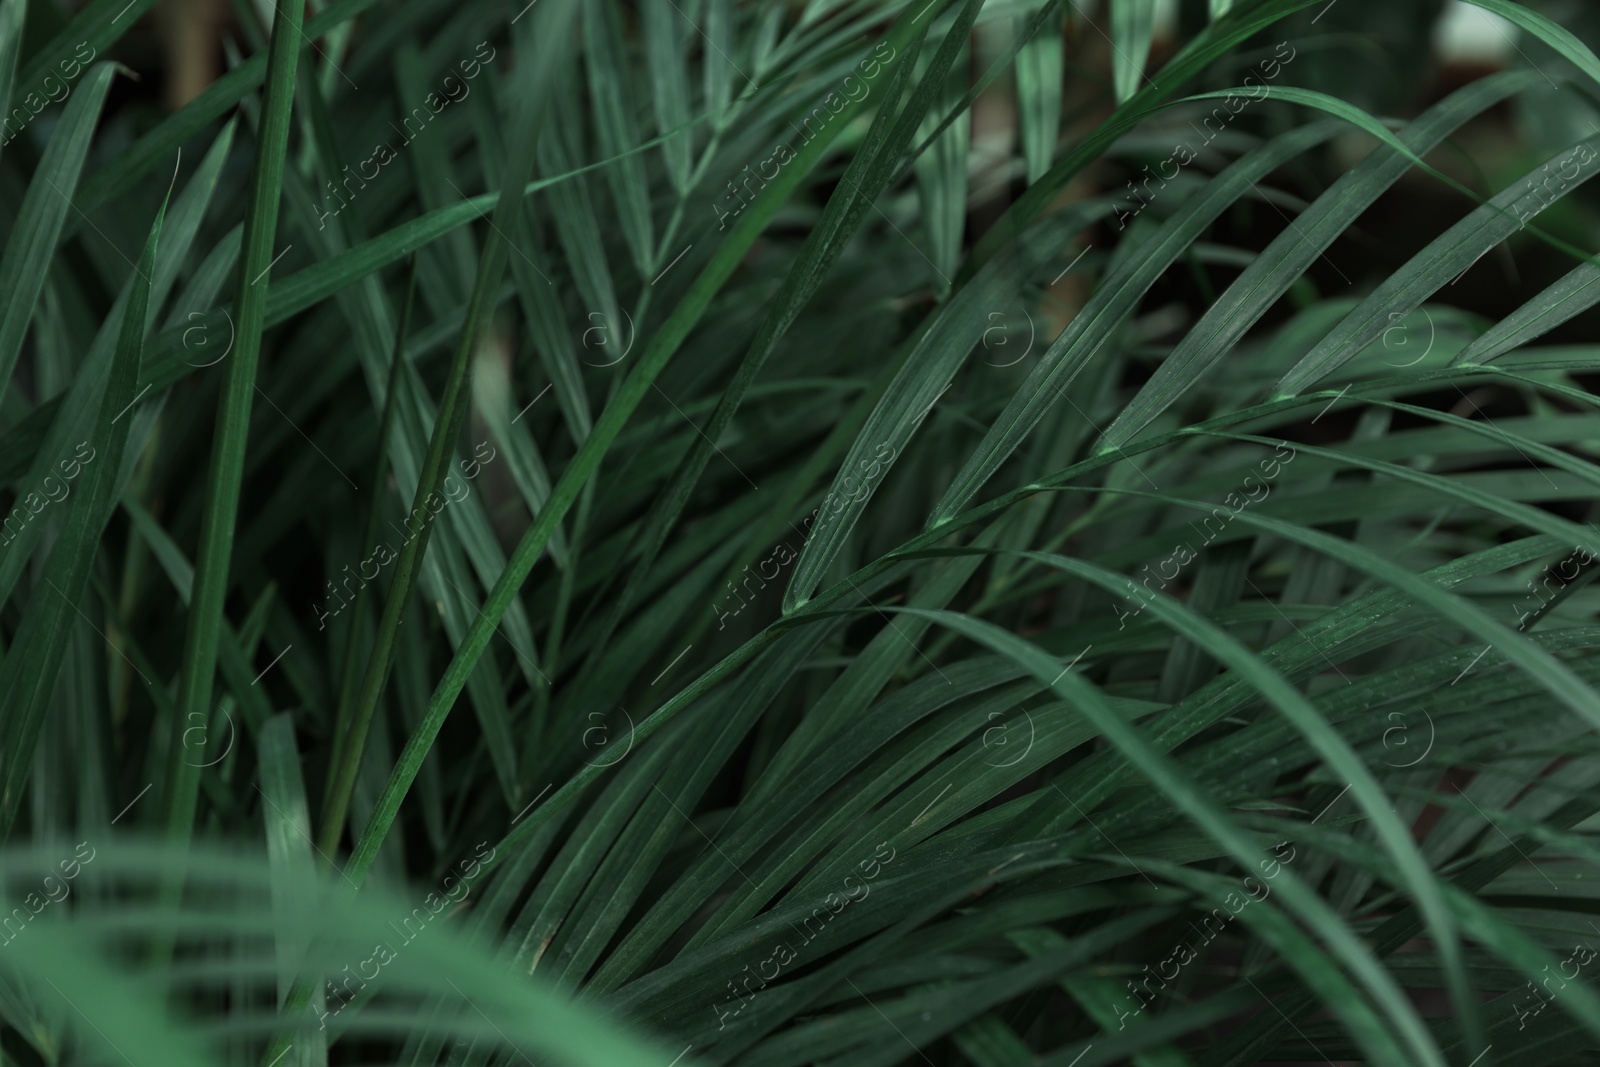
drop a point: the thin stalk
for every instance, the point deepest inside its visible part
(539, 61)
(741, 235)
(452, 413)
(198, 673)
(348, 677)
(133, 567)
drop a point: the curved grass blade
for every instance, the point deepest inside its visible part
(739, 237)
(1448, 256)
(288, 833)
(1035, 25)
(28, 672)
(863, 180)
(231, 654)
(1189, 797)
(168, 358)
(536, 72)
(125, 1001)
(942, 186)
(1551, 674)
(12, 18)
(74, 417)
(174, 131)
(348, 676)
(664, 44)
(1272, 273)
(618, 135)
(1213, 42)
(945, 342)
(99, 25)
(1574, 293)
(1113, 301)
(1551, 34)
(1330, 746)
(44, 209)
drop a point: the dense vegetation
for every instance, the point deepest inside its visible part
(950, 532)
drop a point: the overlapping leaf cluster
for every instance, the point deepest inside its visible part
(593, 551)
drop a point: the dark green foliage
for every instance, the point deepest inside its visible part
(846, 532)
